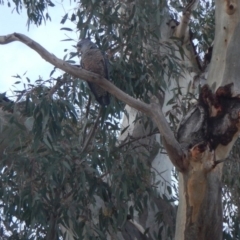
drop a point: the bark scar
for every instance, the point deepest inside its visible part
(230, 6)
(201, 162)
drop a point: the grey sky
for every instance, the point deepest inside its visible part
(16, 58)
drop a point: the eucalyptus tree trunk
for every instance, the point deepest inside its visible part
(209, 131)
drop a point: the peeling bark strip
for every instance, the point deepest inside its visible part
(203, 204)
(213, 121)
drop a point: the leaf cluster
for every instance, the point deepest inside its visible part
(49, 176)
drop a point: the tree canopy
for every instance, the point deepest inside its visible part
(60, 150)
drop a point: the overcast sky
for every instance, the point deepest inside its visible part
(16, 58)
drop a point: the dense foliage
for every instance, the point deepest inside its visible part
(69, 159)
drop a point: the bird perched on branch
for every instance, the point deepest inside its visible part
(93, 60)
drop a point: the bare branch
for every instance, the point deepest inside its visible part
(8, 39)
(172, 146)
(127, 141)
(216, 162)
(153, 110)
(77, 72)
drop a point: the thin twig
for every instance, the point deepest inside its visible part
(92, 132)
(216, 162)
(138, 138)
(87, 113)
(58, 85)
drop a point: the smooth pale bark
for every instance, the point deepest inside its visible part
(160, 163)
(224, 67)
